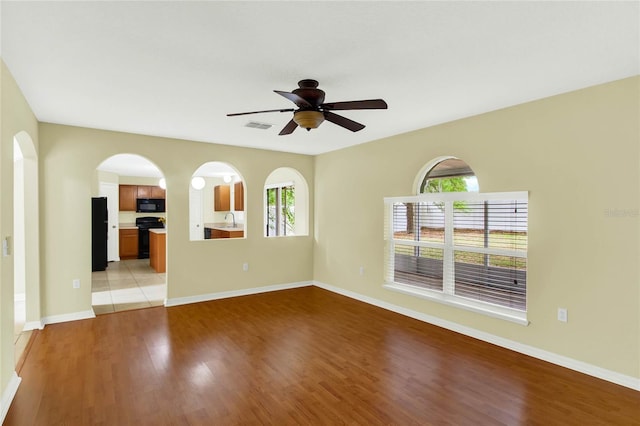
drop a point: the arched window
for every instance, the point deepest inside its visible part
(449, 175)
(286, 199)
(452, 244)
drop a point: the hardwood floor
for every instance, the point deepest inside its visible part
(303, 356)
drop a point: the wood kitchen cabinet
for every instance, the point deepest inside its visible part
(144, 191)
(150, 191)
(238, 196)
(158, 250)
(129, 194)
(128, 244)
(157, 192)
(222, 198)
(219, 233)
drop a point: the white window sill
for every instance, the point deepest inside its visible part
(494, 311)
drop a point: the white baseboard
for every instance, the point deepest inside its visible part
(74, 316)
(563, 361)
(8, 394)
(234, 293)
(33, 325)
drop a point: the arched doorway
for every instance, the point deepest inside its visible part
(131, 185)
(26, 242)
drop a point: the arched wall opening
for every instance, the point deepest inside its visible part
(286, 203)
(217, 202)
(26, 234)
(136, 214)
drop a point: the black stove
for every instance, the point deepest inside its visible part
(144, 224)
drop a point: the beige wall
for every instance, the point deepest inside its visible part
(577, 155)
(15, 117)
(69, 156)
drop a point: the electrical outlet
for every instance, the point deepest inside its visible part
(362, 270)
(76, 283)
(562, 315)
(245, 267)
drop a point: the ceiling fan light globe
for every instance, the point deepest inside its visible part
(308, 119)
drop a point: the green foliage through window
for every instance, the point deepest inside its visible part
(446, 184)
(449, 184)
(281, 217)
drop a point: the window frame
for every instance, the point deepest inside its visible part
(446, 295)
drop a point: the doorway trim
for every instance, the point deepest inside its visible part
(27, 227)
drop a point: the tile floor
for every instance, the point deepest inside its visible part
(128, 284)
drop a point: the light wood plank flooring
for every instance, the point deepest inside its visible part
(295, 357)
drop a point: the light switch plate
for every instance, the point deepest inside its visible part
(5, 247)
(562, 314)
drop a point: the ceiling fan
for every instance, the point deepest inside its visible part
(312, 110)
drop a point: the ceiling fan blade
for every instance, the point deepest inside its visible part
(259, 112)
(289, 128)
(366, 104)
(296, 99)
(343, 121)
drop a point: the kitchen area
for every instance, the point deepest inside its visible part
(142, 219)
(216, 203)
(129, 227)
(229, 226)
(129, 272)
(140, 222)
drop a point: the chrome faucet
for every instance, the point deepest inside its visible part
(232, 217)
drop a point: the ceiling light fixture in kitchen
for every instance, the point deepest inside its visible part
(197, 182)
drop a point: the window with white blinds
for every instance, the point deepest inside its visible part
(465, 249)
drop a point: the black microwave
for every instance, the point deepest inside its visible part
(150, 205)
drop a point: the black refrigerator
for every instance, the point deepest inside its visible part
(99, 229)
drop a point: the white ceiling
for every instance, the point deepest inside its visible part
(176, 68)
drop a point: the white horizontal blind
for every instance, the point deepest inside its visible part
(465, 245)
(419, 245)
(490, 248)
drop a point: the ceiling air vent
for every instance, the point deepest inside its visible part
(258, 125)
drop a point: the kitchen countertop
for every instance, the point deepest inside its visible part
(158, 230)
(127, 226)
(223, 226)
